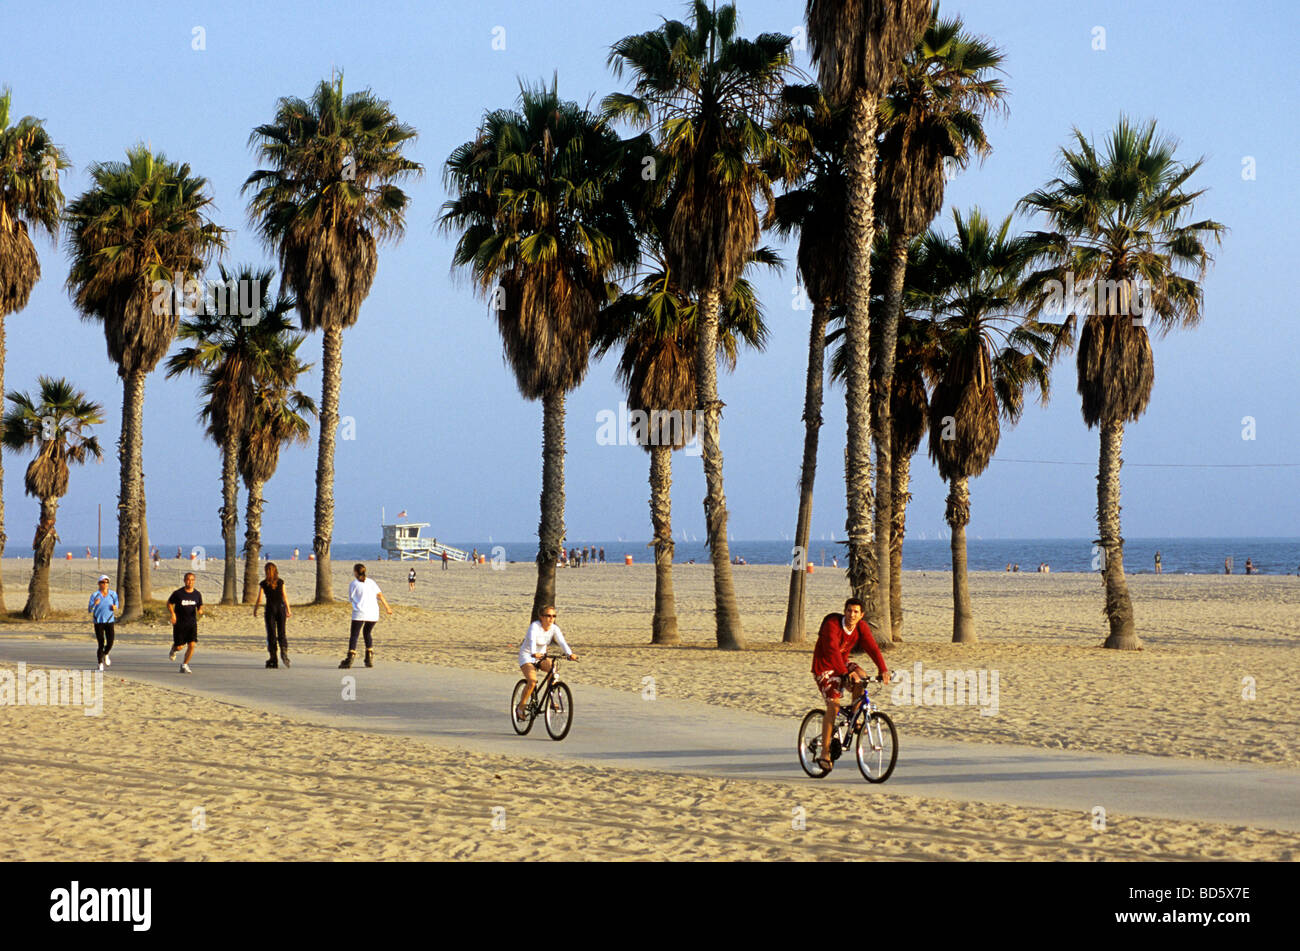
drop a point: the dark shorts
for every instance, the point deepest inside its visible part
(182, 636)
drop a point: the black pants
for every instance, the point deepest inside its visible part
(362, 629)
(275, 621)
(104, 634)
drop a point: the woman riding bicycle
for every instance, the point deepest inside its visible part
(532, 653)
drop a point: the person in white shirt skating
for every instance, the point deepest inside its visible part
(366, 598)
(532, 653)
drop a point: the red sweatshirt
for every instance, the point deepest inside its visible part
(834, 645)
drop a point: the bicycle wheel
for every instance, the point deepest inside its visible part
(877, 748)
(521, 726)
(810, 744)
(559, 712)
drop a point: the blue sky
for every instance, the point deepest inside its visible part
(440, 428)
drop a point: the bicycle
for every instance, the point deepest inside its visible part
(877, 740)
(551, 698)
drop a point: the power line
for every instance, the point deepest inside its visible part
(1164, 465)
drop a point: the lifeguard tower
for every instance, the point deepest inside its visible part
(402, 542)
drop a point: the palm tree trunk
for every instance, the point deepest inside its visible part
(128, 508)
(252, 540)
(229, 513)
(882, 429)
(899, 498)
(38, 591)
(958, 516)
(664, 627)
(1119, 607)
(727, 614)
(332, 372)
(3, 537)
(146, 590)
(795, 609)
(860, 169)
(550, 530)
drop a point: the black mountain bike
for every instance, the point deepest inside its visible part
(551, 698)
(877, 740)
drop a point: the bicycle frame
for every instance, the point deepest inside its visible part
(542, 691)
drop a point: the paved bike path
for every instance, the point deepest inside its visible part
(468, 709)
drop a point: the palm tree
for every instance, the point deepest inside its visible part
(709, 96)
(276, 417)
(655, 322)
(915, 364)
(813, 204)
(324, 205)
(230, 350)
(137, 234)
(544, 226)
(989, 355)
(858, 47)
(54, 425)
(1121, 237)
(30, 200)
(931, 120)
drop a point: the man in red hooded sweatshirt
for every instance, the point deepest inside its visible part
(833, 670)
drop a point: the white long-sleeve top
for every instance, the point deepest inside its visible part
(538, 639)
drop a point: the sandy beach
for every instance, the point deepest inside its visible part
(273, 788)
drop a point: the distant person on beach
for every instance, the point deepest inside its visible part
(1227, 565)
(410, 580)
(444, 559)
(104, 609)
(532, 653)
(1250, 567)
(178, 551)
(276, 614)
(1008, 566)
(602, 556)
(1016, 567)
(366, 598)
(833, 670)
(295, 554)
(473, 558)
(185, 606)
(1158, 566)
(835, 561)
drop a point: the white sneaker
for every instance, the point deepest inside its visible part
(185, 669)
(101, 665)
(172, 654)
(107, 662)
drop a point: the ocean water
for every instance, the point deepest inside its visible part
(1270, 556)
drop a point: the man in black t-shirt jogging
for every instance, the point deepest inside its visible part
(185, 605)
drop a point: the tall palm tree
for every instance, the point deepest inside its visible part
(655, 323)
(1121, 235)
(54, 425)
(931, 120)
(139, 232)
(544, 226)
(325, 204)
(277, 416)
(30, 200)
(230, 350)
(915, 365)
(858, 48)
(989, 355)
(812, 204)
(708, 95)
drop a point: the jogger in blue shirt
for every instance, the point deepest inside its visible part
(104, 609)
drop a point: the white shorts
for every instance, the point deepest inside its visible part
(526, 657)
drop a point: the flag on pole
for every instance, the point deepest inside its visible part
(402, 514)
